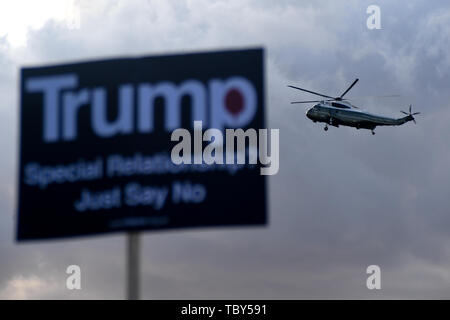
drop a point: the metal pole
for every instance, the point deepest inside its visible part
(133, 245)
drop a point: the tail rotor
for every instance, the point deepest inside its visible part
(411, 114)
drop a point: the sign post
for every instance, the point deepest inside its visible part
(133, 265)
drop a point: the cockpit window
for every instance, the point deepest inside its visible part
(339, 105)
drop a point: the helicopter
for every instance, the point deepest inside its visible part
(336, 111)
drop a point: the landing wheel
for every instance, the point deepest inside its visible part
(373, 132)
(326, 128)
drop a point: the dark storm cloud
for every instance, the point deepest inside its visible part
(341, 201)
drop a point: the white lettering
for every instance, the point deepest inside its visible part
(51, 87)
(232, 102)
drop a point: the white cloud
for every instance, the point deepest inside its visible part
(18, 16)
(27, 287)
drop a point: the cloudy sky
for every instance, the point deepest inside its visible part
(342, 200)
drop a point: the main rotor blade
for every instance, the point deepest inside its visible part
(404, 112)
(415, 113)
(351, 86)
(305, 101)
(319, 94)
(372, 97)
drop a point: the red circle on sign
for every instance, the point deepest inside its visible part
(234, 102)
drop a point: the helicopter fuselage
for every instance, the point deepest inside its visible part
(342, 113)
